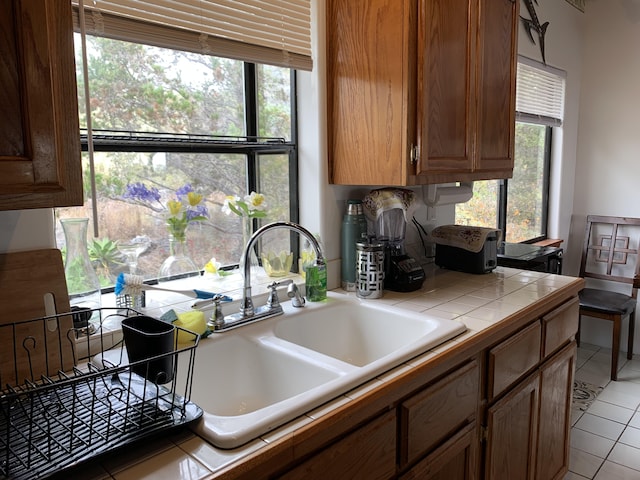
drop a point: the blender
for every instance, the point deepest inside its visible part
(387, 210)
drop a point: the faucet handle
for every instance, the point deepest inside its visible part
(273, 300)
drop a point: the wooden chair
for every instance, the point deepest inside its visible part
(610, 258)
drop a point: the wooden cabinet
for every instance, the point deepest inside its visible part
(420, 91)
(435, 414)
(369, 452)
(530, 385)
(39, 135)
(511, 433)
(527, 431)
(456, 459)
(439, 425)
(556, 391)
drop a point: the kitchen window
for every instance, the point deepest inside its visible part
(166, 120)
(519, 206)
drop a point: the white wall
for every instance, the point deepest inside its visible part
(564, 50)
(26, 230)
(608, 169)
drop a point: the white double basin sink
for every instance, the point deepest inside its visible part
(257, 377)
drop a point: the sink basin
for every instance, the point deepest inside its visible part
(359, 335)
(254, 378)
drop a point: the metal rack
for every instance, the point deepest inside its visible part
(69, 396)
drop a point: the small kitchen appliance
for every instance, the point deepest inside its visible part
(466, 248)
(388, 210)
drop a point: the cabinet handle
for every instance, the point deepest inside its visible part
(415, 154)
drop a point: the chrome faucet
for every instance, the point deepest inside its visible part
(247, 311)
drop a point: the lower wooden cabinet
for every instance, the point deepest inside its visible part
(368, 453)
(511, 433)
(430, 417)
(527, 431)
(456, 459)
(554, 427)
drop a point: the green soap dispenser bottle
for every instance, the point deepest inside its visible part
(354, 230)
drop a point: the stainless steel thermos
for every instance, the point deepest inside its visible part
(354, 229)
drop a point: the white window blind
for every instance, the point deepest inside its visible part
(274, 32)
(539, 93)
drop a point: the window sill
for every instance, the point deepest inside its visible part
(549, 242)
(158, 302)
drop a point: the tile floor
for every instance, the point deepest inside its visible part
(605, 440)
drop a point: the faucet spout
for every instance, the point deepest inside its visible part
(248, 313)
(246, 307)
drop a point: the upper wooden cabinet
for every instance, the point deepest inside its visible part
(39, 134)
(420, 91)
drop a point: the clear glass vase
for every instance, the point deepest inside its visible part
(83, 284)
(178, 264)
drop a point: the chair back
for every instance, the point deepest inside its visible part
(611, 251)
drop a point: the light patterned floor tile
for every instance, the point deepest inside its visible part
(635, 420)
(590, 443)
(613, 471)
(631, 437)
(584, 463)
(600, 426)
(625, 455)
(610, 411)
(621, 399)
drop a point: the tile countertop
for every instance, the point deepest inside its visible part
(478, 301)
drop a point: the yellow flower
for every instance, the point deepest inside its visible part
(174, 207)
(212, 266)
(194, 198)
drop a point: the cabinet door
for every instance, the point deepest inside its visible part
(556, 390)
(39, 134)
(446, 39)
(498, 33)
(512, 432)
(454, 460)
(370, 90)
(434, 414)
(368, 453)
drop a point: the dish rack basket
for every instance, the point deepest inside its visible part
(70, 394)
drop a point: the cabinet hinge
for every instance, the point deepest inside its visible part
(484, 433)
(415, 154)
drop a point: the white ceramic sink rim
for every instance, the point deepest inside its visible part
(230, 430)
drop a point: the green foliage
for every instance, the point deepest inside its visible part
(104, 254)
(525, 190)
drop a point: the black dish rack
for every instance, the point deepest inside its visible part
(70, 394)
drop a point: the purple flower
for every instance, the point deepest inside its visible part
(183, 191)
(142, 193)
(197, 211)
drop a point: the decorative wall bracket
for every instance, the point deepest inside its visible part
(533, 24)
(579, 4)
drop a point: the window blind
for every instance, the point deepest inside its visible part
(540, 93)
(274, 32)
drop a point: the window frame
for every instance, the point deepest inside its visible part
(251, 146)
(504, 184)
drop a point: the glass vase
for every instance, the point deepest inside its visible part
(178, 264)
(83, 284)
(247, 231)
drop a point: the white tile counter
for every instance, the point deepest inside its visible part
(478, 301)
